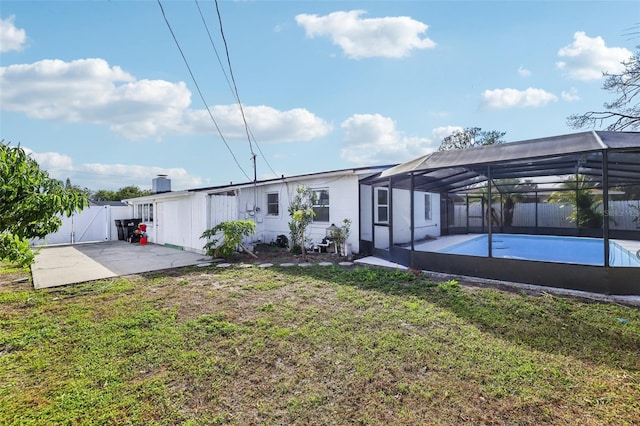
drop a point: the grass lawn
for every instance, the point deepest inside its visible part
(311, 346)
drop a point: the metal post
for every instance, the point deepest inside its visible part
(390, 214)
(490, 216)
(412, 219)
(412, 204)
(605, 206)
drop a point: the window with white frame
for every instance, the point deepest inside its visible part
(382, 205)
(273, 204)
(427, 206)
(145, 212)
(321, 207)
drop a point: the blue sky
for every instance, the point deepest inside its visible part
(99, 92)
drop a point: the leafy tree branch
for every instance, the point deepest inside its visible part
(30, 203)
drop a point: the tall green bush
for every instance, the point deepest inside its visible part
(233, 233)
(302, 214)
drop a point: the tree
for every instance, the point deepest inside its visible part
(120, 194)
(578, 193)
(30, 203)
(104, 195)
(85, 190)
(511, 191)
(302, 214)
(471, 137)
(625, 110)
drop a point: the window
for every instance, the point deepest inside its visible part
(273, 204)
(382, 205)
(321, 207)
(145, 212)
(427, 206)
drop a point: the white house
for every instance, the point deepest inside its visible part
(179, 218)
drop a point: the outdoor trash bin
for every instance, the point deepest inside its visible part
(131, 225)
(122, 230)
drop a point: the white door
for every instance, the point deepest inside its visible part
(158, 223)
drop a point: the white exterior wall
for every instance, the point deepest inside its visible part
(343, 204)
(402, 216)
(181, 222)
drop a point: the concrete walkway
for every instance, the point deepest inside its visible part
(61, 265)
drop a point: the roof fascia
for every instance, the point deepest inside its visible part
(291, 179)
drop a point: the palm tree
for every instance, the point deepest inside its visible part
(510, 191)
(578, 193)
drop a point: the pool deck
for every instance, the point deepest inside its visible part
(449, 240)
(443, 242)
(632, 246)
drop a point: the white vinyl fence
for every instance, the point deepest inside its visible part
(94, 223)
(553, 215)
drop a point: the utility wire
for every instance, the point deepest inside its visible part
(233, 79)
(199, 91)
(234, 93)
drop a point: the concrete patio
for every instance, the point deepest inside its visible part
(70, 264)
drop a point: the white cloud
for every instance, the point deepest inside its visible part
(373, 139)
(513, 98)
(571, 95)
(389, 37)
(439, 133)
(109, 176)
(588, 57)
(92, 91)
(267, 124)
(523, 72)
(11, 38)
(138, 175)
(51, 160)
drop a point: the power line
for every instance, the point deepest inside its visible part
(199, 91)
(234, 89)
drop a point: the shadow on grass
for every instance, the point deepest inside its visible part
(605, 334)
(599, 333)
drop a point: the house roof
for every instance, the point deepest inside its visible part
(450, 171)
(360, 171)
(107, 203)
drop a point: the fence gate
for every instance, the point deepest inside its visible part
(90, 225)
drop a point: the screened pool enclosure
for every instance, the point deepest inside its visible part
(584, 185)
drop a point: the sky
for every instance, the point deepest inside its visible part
(113, 93)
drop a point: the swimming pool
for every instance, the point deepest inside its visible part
(584, 251)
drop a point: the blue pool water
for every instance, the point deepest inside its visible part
(584, 251)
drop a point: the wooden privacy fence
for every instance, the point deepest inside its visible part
(551, 215)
